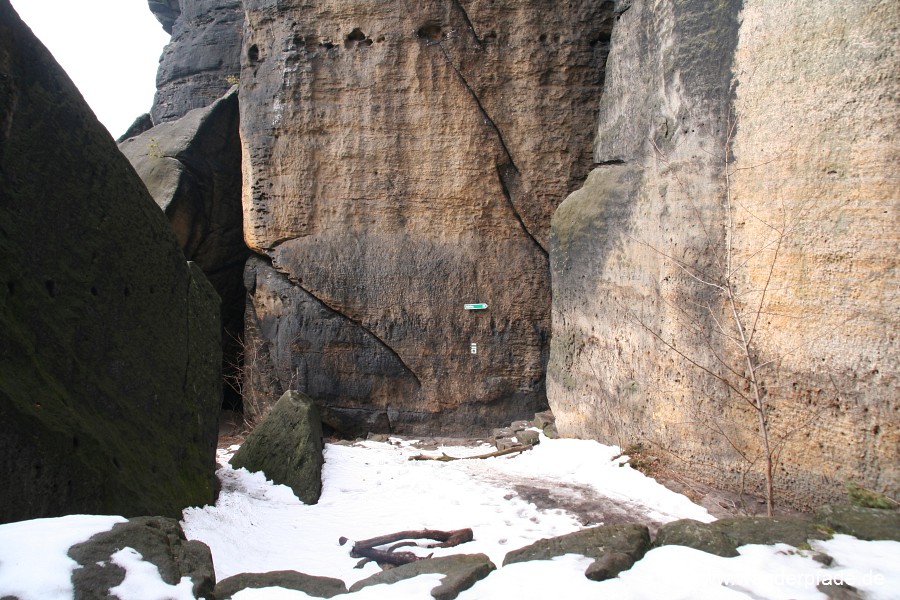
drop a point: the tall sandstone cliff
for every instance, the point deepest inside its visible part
(109, 343)
(787, 112)
(401, 161)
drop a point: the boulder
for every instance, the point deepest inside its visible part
(424, 183)
(109, 340)
(202, 60)
(461, 572)
(319, 587)
(528, 436)
(609, 566)
(159, 541)
(192, 168)
(612, 547)
(861, 522)
(723, 537)
(287, 446)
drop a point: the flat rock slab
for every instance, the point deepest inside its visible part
(159, 541)
(320, 587)
(861, 522)
(723, 537)
(287, 446)
(614, 547)
(462, 572)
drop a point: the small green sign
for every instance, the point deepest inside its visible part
(478, 306)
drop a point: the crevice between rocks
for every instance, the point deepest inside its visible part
(500, 169)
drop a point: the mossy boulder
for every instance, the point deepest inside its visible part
(614, 548)
(723, 537)
(861, 522)
(287, 446)
(109, 341)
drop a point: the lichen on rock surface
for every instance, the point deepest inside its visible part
(399, 164)
(782, 112)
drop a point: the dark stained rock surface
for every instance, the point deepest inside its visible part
(319, 587)
(202, 61)
(861, 522)
(192, 168)
(461, 572)
(109, 340)
(402, 161)
(287, 446)
(158, 540)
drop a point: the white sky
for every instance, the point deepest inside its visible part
(110, 49)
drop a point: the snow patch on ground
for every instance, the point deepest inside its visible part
(143, 581)
(34, 561)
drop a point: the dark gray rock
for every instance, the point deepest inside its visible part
(192, 168)
(139, 126)
(320, 587)
(528, 436)
(109, 340)
(462, 572)
(608, 566)
(543, 419)
(203, 59)
(287, 446)
(159, 540)
(630, 539)
(840, 591)
(724, 536)
(861, 522)
(166, 12)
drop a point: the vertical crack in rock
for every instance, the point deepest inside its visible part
(295, 281)
(500, 169)
(465, 15)
(507, 171)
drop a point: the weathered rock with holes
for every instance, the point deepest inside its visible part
(192, 167)
(109, 340)
(158, 540)
(287, 446)
(690, 84)
(202, 61)
(317, 587)
(400, 162)
(461, 571)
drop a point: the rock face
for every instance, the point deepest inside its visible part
(202, 61)
(109, 345)
(398, 164)
(796, 100)
(158, 540)
(287, 446)
(192, 167)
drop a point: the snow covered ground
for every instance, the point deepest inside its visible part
(372, 489)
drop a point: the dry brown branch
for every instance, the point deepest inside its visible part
(368, 548)
(445, 458)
